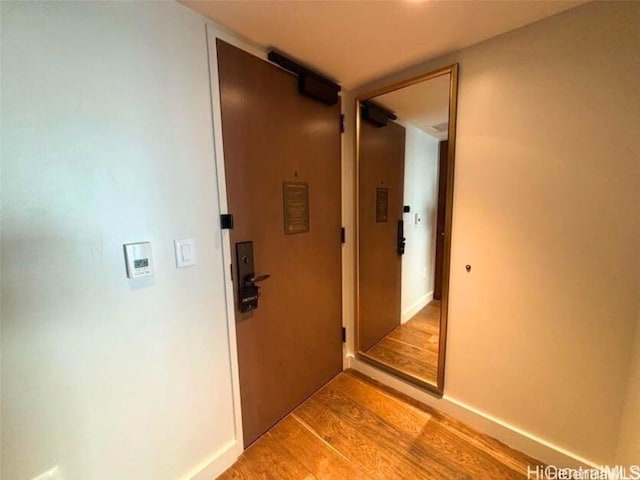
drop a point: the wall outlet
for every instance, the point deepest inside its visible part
(53, 474)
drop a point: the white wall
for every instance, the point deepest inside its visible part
(629, 441)
(546, 209)
(107, 139)
(421, 194)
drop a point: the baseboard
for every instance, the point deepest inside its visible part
(509, 434)
(217, 463)
(416, 307)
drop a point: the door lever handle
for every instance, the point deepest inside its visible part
(248, 288)
(259, 278)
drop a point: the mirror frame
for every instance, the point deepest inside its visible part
(452, 70)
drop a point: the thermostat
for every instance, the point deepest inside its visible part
(138, 259)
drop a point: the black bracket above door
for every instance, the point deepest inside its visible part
(310, 83)
(376, 114)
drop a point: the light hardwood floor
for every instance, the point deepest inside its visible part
(412, 347)
(356, 428)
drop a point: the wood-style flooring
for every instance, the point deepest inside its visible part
(356, 428)
(412, 347)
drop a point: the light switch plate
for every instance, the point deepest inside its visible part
(185, 249)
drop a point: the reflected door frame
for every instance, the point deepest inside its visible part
(451, 70)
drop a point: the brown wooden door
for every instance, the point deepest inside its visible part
(291, 344)
(443, 153)
(381, 175)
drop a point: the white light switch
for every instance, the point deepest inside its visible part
(185, 252)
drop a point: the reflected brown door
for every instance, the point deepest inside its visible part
(443, 166)
(291, 344)
(380, 194)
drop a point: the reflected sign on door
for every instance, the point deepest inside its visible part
(382, 204)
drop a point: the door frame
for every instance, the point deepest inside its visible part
(213, 32)
(262, 406)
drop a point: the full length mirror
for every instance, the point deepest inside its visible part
(405, 150)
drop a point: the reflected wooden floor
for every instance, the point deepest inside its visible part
(355, 428)
(413, 346)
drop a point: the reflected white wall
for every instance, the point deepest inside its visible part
(421, 194)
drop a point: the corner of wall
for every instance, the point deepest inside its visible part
(628, 449)
(220, 461)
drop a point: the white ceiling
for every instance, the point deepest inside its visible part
(424, 105)
(358, 41)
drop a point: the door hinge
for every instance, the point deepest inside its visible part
(343, 235)
(226, 221)
(344, 335)
(342, 123)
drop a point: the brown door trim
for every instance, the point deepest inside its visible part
(443, 167)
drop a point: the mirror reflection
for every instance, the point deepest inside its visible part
(403, 164)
